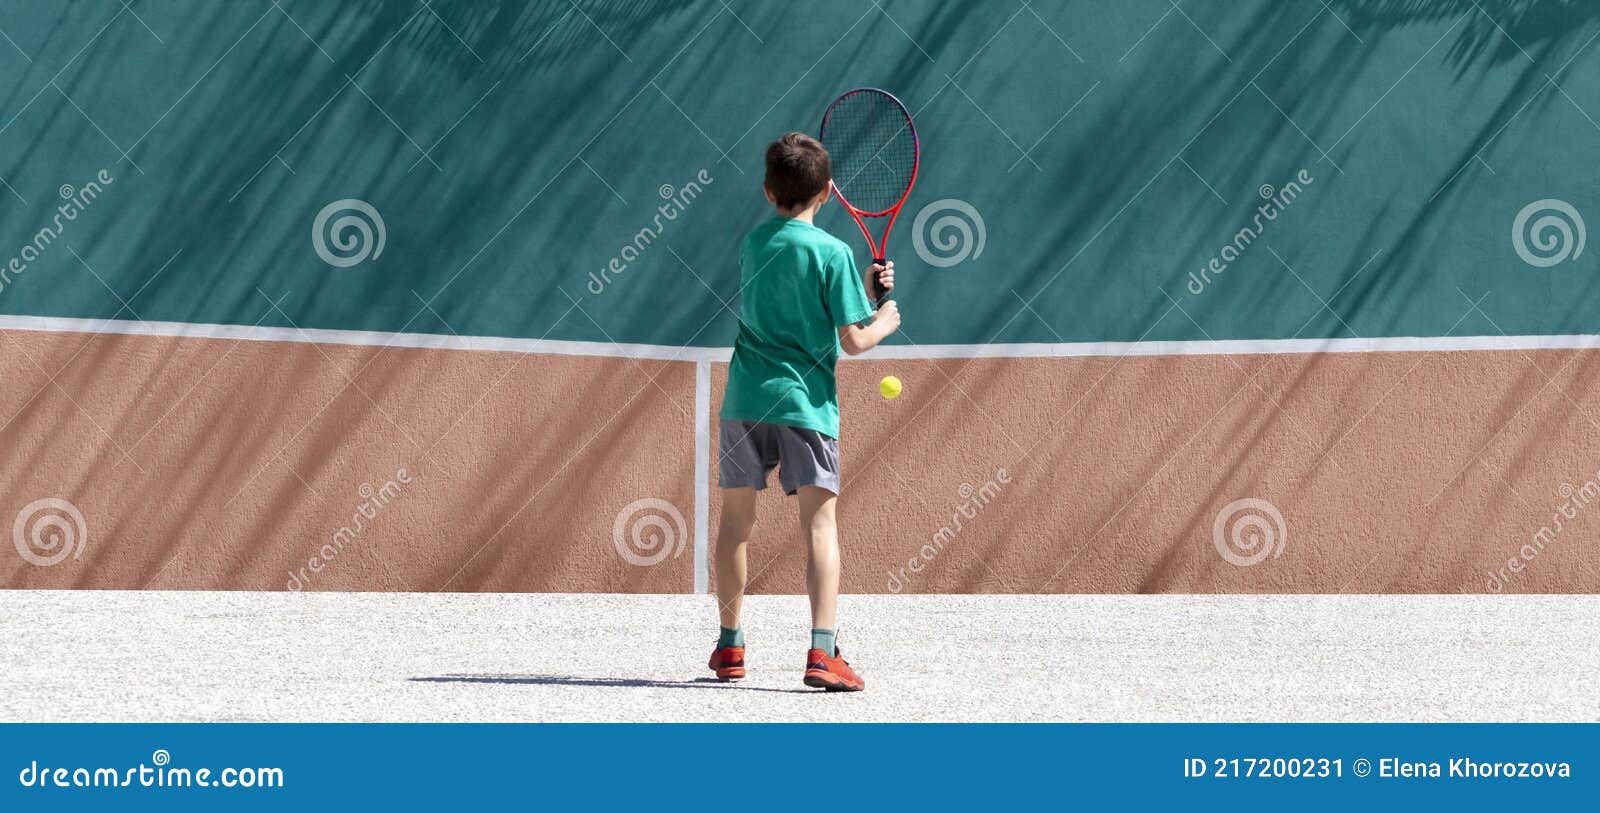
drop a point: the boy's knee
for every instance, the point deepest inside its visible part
(822, 539)
(823, 525)
(735, 527)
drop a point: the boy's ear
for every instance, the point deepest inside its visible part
(827, 192)
(768, 192)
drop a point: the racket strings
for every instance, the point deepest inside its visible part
(873, 149)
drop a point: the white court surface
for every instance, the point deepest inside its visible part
(196, 656)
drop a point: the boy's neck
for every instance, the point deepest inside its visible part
(807, 213)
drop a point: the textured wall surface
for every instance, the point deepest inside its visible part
(1120, 469)
(512, 149)
(225, 464)
(200, 463)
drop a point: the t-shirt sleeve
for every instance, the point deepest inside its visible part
(847, 300)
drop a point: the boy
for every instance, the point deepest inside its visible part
(803, 301)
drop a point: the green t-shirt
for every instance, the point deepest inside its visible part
(798, 285)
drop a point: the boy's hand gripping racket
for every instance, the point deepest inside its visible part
(874, 150)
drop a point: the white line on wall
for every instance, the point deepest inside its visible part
(661, 352)
(702, 476)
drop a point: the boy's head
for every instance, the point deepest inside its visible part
(798, 171)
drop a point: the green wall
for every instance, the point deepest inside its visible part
(550, 130)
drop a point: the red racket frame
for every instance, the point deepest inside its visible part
(878, 248)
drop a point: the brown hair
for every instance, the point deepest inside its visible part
(797, 169)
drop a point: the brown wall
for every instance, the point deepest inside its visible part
(221, 464)
(214, 464)
(1394, 473)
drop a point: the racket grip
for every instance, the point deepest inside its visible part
(879, 295)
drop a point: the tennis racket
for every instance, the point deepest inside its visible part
(874, 150)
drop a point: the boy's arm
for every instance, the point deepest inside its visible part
(857, 339)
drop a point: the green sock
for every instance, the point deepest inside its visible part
(825, 640)
(730, 637)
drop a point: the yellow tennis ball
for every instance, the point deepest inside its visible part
(889, 386)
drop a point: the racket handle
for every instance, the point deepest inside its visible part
(879, 295)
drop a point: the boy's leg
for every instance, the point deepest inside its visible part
(824, 668)
(738, 518)
(820, 532)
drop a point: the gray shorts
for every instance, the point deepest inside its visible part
(750, 451)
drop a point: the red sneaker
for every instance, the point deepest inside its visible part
(833, 674)
(728, 662)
